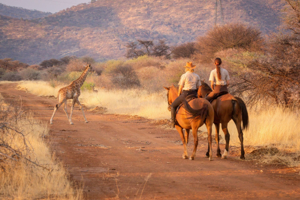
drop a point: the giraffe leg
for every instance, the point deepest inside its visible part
(55, 109)
(81, 107)
(71, 113)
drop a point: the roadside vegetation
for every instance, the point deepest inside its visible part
(28, 169)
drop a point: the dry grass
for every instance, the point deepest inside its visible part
(43, 177)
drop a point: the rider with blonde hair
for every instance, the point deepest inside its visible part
(188, 86)
(219, 79)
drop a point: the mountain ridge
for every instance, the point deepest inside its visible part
(21, 13)
(103, 28)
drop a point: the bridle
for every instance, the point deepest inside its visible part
(169, 104)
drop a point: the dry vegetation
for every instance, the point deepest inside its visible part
(28, 169)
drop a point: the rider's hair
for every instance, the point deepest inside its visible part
(219, 61)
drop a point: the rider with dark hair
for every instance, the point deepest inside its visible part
(188, 86)
(219, 80)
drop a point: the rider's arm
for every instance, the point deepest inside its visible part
(212, 85)
(227, 83)
(180, 89)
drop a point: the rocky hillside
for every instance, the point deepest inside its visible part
(102, 29)
(21, 13)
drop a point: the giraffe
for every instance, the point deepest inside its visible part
(71, 91)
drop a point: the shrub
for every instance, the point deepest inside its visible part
(228, 37)
(98, 68)
(274, 78)
(30, 74)
(11, 76)
(12, 65)
(125, 77)
(53, 72)
(112, 65)
(88, 60)
(186, 50)
(145, 61)
(2, 72)
(75, 65)
(49, 63)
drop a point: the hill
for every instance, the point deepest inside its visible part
(102, 29)
(21, 13)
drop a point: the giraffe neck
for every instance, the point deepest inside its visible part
(82, 77)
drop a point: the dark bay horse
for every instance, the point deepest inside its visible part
(192, 116)
(227, 107)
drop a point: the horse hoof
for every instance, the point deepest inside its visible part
(219, 155)
(51, 123)
(192, 158)
(211, 159)
(242, 157)
(224, 156)
(207, 155)
(71, 123)
(184, 156)
(86, 121)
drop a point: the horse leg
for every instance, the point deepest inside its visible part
(217, 137)
(209, 139)
(195, 135)
(180, 131)
(237, 122)
(187, 133)
(227, 138)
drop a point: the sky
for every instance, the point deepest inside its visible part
(52, 6)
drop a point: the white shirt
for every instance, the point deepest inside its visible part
(224, 76)
(189, 81)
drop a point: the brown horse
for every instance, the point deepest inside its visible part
(227, 107)
(192, 116)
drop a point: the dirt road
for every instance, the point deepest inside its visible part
(123, 157)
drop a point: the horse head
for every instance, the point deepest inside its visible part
(171, 95)
(203, 90)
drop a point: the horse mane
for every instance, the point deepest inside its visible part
(206, 86)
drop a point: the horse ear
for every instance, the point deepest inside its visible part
(167, 88)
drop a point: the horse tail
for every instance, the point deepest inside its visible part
(202, 112)
(245, 117)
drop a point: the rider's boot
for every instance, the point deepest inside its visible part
(173, 114)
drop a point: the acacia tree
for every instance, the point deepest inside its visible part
(186, 50)
(161, 49)
(276, 77)
(147, 47)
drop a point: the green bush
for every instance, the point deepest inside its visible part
(145, 61)
(111, 65)
(88, 86)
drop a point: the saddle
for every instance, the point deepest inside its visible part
(188, 98)
(216, 96)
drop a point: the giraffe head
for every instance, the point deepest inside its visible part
(89, 67)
